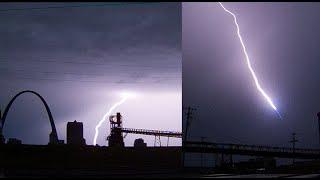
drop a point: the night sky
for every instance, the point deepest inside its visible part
(283, 41)
(80, 58)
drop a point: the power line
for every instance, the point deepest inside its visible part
(76, 6)
(126, 74)
(119, 81)
(77, 80)
(88, 63)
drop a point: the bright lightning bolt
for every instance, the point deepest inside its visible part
(248, 62)
(125, 96)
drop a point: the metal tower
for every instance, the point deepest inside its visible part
(115, 138)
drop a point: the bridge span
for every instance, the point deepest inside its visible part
(250, 150)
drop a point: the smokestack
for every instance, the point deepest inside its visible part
(318, 114)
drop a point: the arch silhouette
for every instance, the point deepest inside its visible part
(53, 127)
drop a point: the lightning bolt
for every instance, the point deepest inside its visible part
(105, 117)
(264, 94)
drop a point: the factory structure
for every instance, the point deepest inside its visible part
(117, 133)
(115, 138)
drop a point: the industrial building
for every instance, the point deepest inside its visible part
(115, 138)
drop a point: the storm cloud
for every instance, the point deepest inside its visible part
(79, 58)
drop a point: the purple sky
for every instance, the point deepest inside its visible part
(282, 41)
(79, 59)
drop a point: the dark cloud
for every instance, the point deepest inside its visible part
(75, 57)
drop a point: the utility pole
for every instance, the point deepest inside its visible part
(318, 114)
(202, 140)
(293, 141)
(185, 134)
(2, 140)
(188, 122)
